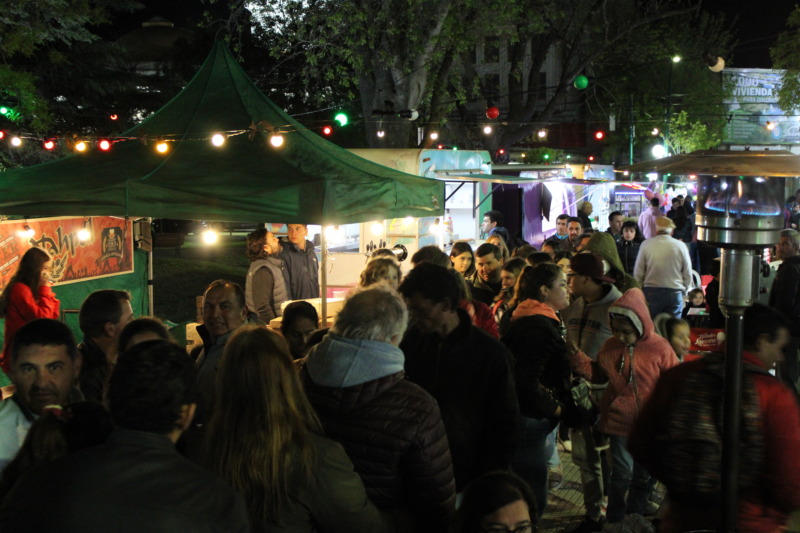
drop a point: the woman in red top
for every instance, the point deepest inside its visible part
(27, 296)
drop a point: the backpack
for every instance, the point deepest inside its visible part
(690, 443)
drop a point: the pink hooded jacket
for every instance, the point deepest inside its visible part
(628, 388)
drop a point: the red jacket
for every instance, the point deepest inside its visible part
(22, 308)
(628, 388)
(481, 316)
(761, 509)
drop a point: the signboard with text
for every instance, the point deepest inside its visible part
(753, 113)
(82, 248)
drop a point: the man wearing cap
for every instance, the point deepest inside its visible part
(586, 319)
(664, 269)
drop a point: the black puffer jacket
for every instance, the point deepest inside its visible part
(541, 369)
(393, 432)
(628, 252)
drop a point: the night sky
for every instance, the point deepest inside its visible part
(758, 25)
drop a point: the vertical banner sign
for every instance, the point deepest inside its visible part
(82, 248)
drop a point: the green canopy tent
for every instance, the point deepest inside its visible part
(306, 180)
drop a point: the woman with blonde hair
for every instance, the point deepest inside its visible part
(498, 241)
(381, 269)
(266, 441)
(27, 296)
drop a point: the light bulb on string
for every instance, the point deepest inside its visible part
(487, 130)
(104, 145)
(210, 237)
(162, 147)
(276, 140)
(16, 141)
(434, 135)
(80, 146)
(26, 232)
(84, 234)
(218, 139)
(49, 144)
(542, 133)
(380, 134)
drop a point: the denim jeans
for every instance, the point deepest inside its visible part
(662, 300)
(627, 477)
(533, 451)
(554, 461)
(588, 460)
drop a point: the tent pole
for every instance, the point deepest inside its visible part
(324, 277)
(150, 303)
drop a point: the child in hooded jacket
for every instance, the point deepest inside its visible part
(631, 361)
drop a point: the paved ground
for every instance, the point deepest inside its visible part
(565, 504)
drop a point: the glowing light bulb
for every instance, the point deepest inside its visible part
(80, 146)
(408, 221)
(487, 130)
(377, 228)
(276, 140)
(162, 147)
(104, 145)
(659, 151)
(210, 236)
(542, 134)
(381, 133)
(16, 142)
(84, 234)
(434, 135)
(218, 139)
(49, 144)
(26, 232)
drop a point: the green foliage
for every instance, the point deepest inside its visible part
(687, 136)
(42, 36)
(786, 55)
(638, 82)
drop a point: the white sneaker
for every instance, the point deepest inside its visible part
(638, 524)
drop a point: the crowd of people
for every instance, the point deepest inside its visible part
(432, 403)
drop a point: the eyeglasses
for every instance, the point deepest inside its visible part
(500, 529)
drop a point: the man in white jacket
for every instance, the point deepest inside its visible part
(664, 270)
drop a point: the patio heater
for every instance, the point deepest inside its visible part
(739, 209)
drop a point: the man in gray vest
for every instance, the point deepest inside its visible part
(265, 289)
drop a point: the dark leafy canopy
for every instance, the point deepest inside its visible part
(786, 55)
(48, 53)
(419, 54)
(637, 80)
(385, 53)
